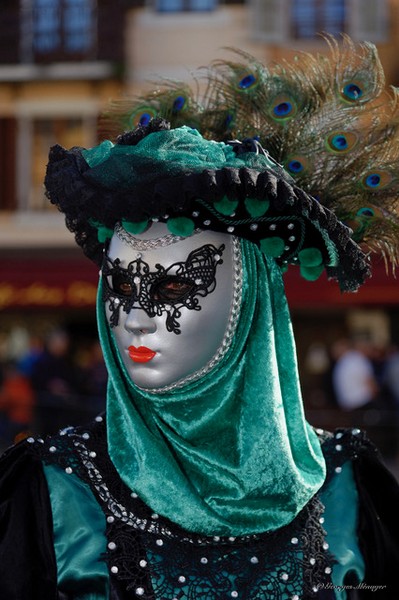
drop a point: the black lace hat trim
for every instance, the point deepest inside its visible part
(293, 216)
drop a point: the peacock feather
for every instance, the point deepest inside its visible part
(329, 120)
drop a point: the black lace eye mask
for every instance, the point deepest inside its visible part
(166, 290)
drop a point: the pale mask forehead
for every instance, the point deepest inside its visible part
(152, 267)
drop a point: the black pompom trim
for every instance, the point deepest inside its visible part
(71, 188)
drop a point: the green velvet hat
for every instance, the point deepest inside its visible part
(176, 176)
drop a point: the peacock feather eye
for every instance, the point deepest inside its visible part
(178, 104)
(341, 142)
(376, 180)
(229, 118)
(142, 116)
(283, 107)
(352, 92)
(296, 164)
(366, 211)
(248, 81)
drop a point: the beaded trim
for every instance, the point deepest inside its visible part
(152, 557)
(151, 244)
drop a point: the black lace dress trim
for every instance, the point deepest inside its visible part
(152, 558)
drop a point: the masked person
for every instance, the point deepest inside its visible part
(203, 479)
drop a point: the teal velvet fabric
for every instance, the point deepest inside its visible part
(79, 536)
(173, 152)
(231, 453)
(340, 499)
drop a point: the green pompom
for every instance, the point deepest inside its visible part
(311, 273)
(226, 206)
(256, 208)
(135, 227)
(103, 233)
(284, 268)
(181, 226)
(273, 246)
(310, 257)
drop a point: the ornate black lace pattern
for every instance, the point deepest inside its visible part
(197, 273)
(152, 558)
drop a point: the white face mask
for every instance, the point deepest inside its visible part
(170, 303)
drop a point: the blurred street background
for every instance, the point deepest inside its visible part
(61, 61)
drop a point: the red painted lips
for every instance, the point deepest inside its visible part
(141, 354)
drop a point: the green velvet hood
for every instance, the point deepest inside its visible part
(231, 453)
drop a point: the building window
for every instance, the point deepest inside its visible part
(279, 21)
(63, 28)
(185, 5)
(35, 136)
(310, 17)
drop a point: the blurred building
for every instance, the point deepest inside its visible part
(60, 63)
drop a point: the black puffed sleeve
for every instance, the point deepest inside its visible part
(378, 528)
(27, 558)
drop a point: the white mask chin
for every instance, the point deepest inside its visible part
(156, 358)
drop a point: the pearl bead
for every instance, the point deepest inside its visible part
(134, 495)
(253, 227)
(254, 560)
(356, 431)
(204, 560)
(86, 436)
(99, 419)
(143, 564)
(140, 591)
(114, 569)
(319, 431)
(30, 440)
(53, 449)
(92, 454)
(290, 226)
(338, 469)
(136, 280)
(339, 435)
(321, 520)
(312, 561)
(272, 227)
(230, 229)
(338, 447)
(234, 594)
(195, 213)
(207, 222)
(182, 579)
(159, 542)
(68, 470)
(325, 546)
(110, 519)
(284, 576)
(232, 539)
(294, 540)
(295, 597)
(112, 545)
(327, 570)
(216, 538)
